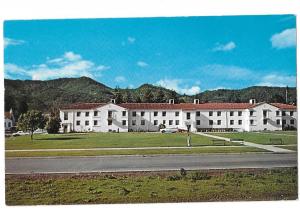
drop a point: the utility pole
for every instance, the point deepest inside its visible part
(286, 94)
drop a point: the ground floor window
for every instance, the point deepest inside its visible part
(124, 122)
(143, 122)
(133, 122)
(278, 122)
(95, 122)
(292, 122)
(155, 122)
(78, 122)
(109, 122)
(265, 121)
(231, 122)
(87, 122)
(240, 122)
(170, 122)
(219, 122)
(177, 122)
(211, 122)
(198, 122)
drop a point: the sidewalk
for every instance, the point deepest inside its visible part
(266, 147)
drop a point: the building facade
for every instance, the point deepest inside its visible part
(9, 120)
(147, 117)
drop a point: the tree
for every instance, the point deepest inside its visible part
(159, 97)
(53, 124)
(147, 96)
(127, 97)
(118, 96)
(31, 121)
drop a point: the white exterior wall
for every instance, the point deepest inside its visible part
(225, 118)
(8, 124)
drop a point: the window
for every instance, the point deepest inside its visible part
(177, 122)
(9, 124)
(155, 113)
(134, 113)
(124, 113)
(164, 113)
(219, 113)
(231, 122)
(142, 113)
(164, 122)
(211, 122)
(124, 121)
(231, 113)
(251, 122)
(198, 113)
(155, 122)
(265, 113)
(109, 114)
(177, 113)
(265, 121)
(95, 122)
(143, 122)
(170, 122)
(188, 115)
(251, 113)
(66, 116)
(283, 113)
(210, 113)
(87, 114)
(78, 114)
(292, 122)
(240, 122)
(87, 122)
(219, 122)
(278, 122)
(198, 122)
(77, 122)
(291, 113)
(277, 113)
(95, 113)
(283, 122)
(133, 122)
(240, 113)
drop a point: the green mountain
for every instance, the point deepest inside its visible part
(22, 95)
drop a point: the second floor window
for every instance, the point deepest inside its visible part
(231, 113)
(177, 113)
(240, 113)
(164, 113)
(142, 113)
(87, 114)
(134, 113)
(291, 113)
(277, 113)
(123, 113)
(251, 113)
(198, 113)
(155, 113)
(95, 113)
(78, 114)
(188, 115)
(66, 116)
(219, 113)
(210, 113)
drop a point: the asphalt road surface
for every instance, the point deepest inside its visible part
(148, 163)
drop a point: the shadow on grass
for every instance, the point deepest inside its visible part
(62, 139)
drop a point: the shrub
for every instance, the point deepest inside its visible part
(182, 172)
(200, 176)
(174, 178)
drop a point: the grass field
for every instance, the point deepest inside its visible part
(225, 185)
(101, 140)
(198, 150)
(289, 147)
(261, 137)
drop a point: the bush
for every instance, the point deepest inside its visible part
(200, 176)
(182, 172)
(174, 178)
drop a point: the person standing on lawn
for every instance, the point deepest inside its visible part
(189, 140)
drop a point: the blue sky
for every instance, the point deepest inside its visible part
(187, 54)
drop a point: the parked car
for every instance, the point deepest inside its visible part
(169, 130)
(40, 131)
(19, 133)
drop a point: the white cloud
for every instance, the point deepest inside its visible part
(69, 65)
(225, 47)
(131, 39)
(12, 71)
(142, 64)
(226, 71)
(176, 85)
(284, 39)
(9, 41)
(275, 79)
(120, 79)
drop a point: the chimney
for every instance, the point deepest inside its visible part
(171, 101)
(196, 101)
(113, 100)
(252, 101)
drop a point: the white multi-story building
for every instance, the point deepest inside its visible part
(106, 117)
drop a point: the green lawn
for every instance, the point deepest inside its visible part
(260, 138)
(101, 140)
(225, 185)
(289, 147)
(198, 150)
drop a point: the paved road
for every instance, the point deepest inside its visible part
(148, 163)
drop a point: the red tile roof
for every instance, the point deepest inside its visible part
(182, 106)
(7, 115)
(284, 106)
